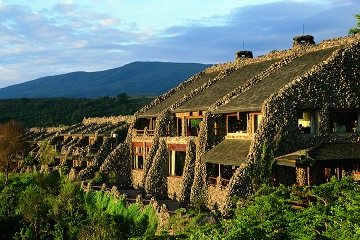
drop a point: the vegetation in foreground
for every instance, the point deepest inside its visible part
(47, 112)
(332, 213)
(47, 206)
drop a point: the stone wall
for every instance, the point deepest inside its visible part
(119, 162)
(137, 178)
(174, 187)
(188, 173)
(216, 196)
(355, 176)
(321, 89)
(98, 160)
(106, 120)
(156, 184)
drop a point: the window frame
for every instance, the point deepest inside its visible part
(313, 128)
(344, 114)
(173, 161)
(138, 151)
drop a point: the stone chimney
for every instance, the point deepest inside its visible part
(304, 40)
(243, 54)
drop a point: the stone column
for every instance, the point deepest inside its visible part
(301, 176)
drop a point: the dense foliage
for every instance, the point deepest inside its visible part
(332, 213)
(45, 112)
(47, 206)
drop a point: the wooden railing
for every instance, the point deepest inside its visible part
(142, 132)
(214, 180)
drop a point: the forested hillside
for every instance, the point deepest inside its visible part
(45, 112)
(134, 78)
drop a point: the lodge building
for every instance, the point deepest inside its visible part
(233, 119)
(287, 117)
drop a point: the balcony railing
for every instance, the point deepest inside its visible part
(142, 132)
(213, 181)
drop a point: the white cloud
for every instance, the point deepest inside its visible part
(80, 44)
(109, 22)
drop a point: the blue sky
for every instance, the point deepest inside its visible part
(41, 38)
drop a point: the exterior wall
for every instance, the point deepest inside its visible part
(216, 196)
(355, 175)
(301, 176)
(175, 183)
(174, 187)
(137, 178)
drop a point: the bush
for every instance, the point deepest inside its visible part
(64, 170)
(97, 180)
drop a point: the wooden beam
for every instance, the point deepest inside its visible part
(308, 175)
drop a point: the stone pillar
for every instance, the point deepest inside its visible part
(184, 126)
(301, 176)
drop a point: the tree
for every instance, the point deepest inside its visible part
(34, 205)
(46, 153)
(11, 143)
(354, 30)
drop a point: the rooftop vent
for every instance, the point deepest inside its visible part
(244, 54)
(303, 40)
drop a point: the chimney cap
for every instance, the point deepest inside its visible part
(244, 54)
(304, 39)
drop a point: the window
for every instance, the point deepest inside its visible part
(237, 123)
(177, 155)
(179, 126)
(307, 122)
(256, 120)
(344, 121)
(149, 123)
(177, 162)
(193, 126)
(214, 170)
(138, 156)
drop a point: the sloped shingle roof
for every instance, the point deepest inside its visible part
(158, 108)
(253, 98)
(239, 77)
(228, 152)
(340, 152)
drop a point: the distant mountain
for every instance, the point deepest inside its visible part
(142, 78)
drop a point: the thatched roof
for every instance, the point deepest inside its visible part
(229, 152)
(178, 94)
(205, 99)
(253, 98)
(342, 153)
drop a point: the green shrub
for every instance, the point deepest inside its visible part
(64, 170)
(97, 180)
